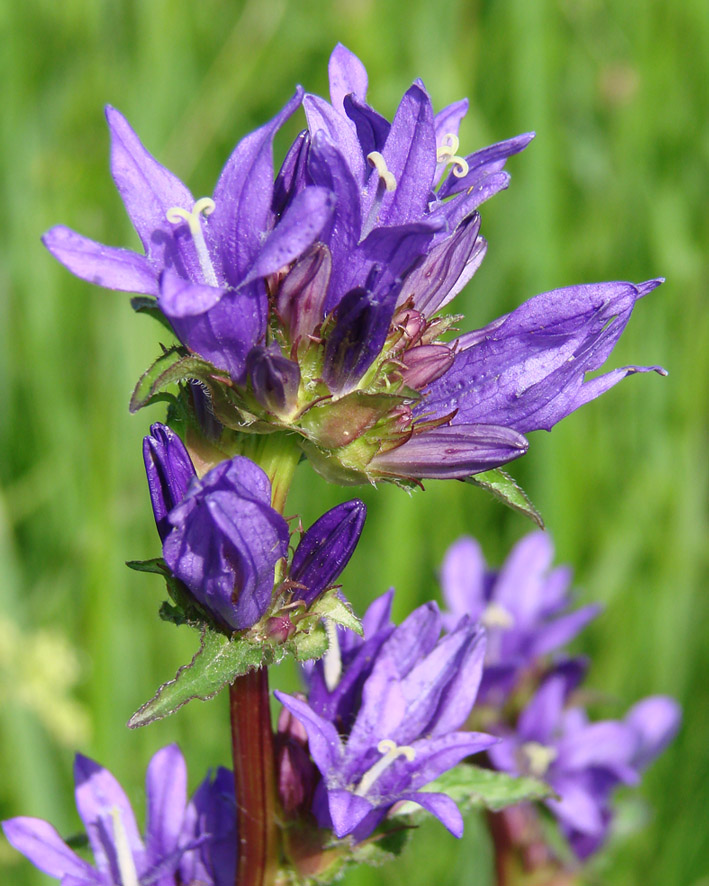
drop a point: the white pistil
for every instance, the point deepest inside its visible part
(447, 154)
(391, 751)
(387, 182)
(332, 660)
(496, 616)
(539, 757)
(206, 206)
(126, 864)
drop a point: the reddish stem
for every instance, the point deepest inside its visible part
(254, 779)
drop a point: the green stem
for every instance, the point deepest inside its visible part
(249, 711)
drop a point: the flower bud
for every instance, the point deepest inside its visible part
(301, 296)
(361, 327)
(274, 378)
(169, 469)
(295, 772)
(425, 364)
(326, 548)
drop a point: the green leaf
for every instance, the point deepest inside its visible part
(307, 645)
(386, 844)
(171, 367)
(475, 788)
(502, 486)
(157, 566)
(337, 610)
(218, 661)
(144, 304)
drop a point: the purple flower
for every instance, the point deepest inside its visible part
(523, 606)
(179, 839)
(583, 762)
(225, 542)
(169, 470)
(418, 690)
(205, 260)
(325, 549)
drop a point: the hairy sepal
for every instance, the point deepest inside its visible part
(499, 483)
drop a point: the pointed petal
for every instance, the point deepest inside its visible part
(323, 740)
(98, 795)
(562, 630)
(291, 179)
(372, 128)
(526, 370)
(452, 452)
(341, 131)
(243, 197)
(103, 265)
(380, 714)
(655, 721)
(577, 808)
(440, 805)
(539, 720)
(347, 75)
(38, 841)
(520, 583)
(149, 190)
(166, 794)
(463, 578)
(410, 155)
(414, 638)
(347, 810)
(438, 755)
(608, 744)
(299, 227)
(328, 168)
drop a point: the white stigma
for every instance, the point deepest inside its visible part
(203, 206)
(332, 660)
(386, 183)
(447, 154)
(391, 751)
(539, 757)
(496, 616)
(126, 864)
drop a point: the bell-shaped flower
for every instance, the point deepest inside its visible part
(180, 839)
(523, 606)
(226, 540)
(403, 735)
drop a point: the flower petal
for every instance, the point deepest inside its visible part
(440, 805)
(483, 163)
(655, 721)
(347, 75)
(463, 579)
(38, 841)
(243, 197)
(103, 265)
(323, 740)
(166, 795)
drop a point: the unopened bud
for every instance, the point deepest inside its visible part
(424, 364)
(275, 379)
(301, 296)
(169, 469)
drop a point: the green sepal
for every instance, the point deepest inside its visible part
(155, 566)
(218, 662)
(331, 606)
(145, 304)
(307, 645)
(502, 486)
(171, 367)
(386, 844)
(472, 787)
(336, 423)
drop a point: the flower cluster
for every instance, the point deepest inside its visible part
(184, 842)
(312, 298)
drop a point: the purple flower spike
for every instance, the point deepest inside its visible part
(527, 369)
(326, 548)
(226, 541)
(524, 606)
(275, 379)
(417, 691)
(169, 469)
(175, 834)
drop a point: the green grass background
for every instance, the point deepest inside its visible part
(614, 187)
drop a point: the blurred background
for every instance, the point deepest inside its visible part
(615, 186)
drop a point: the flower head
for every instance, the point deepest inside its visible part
(416, 690)
(582, 761)
(182, 841)
(523, 606)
